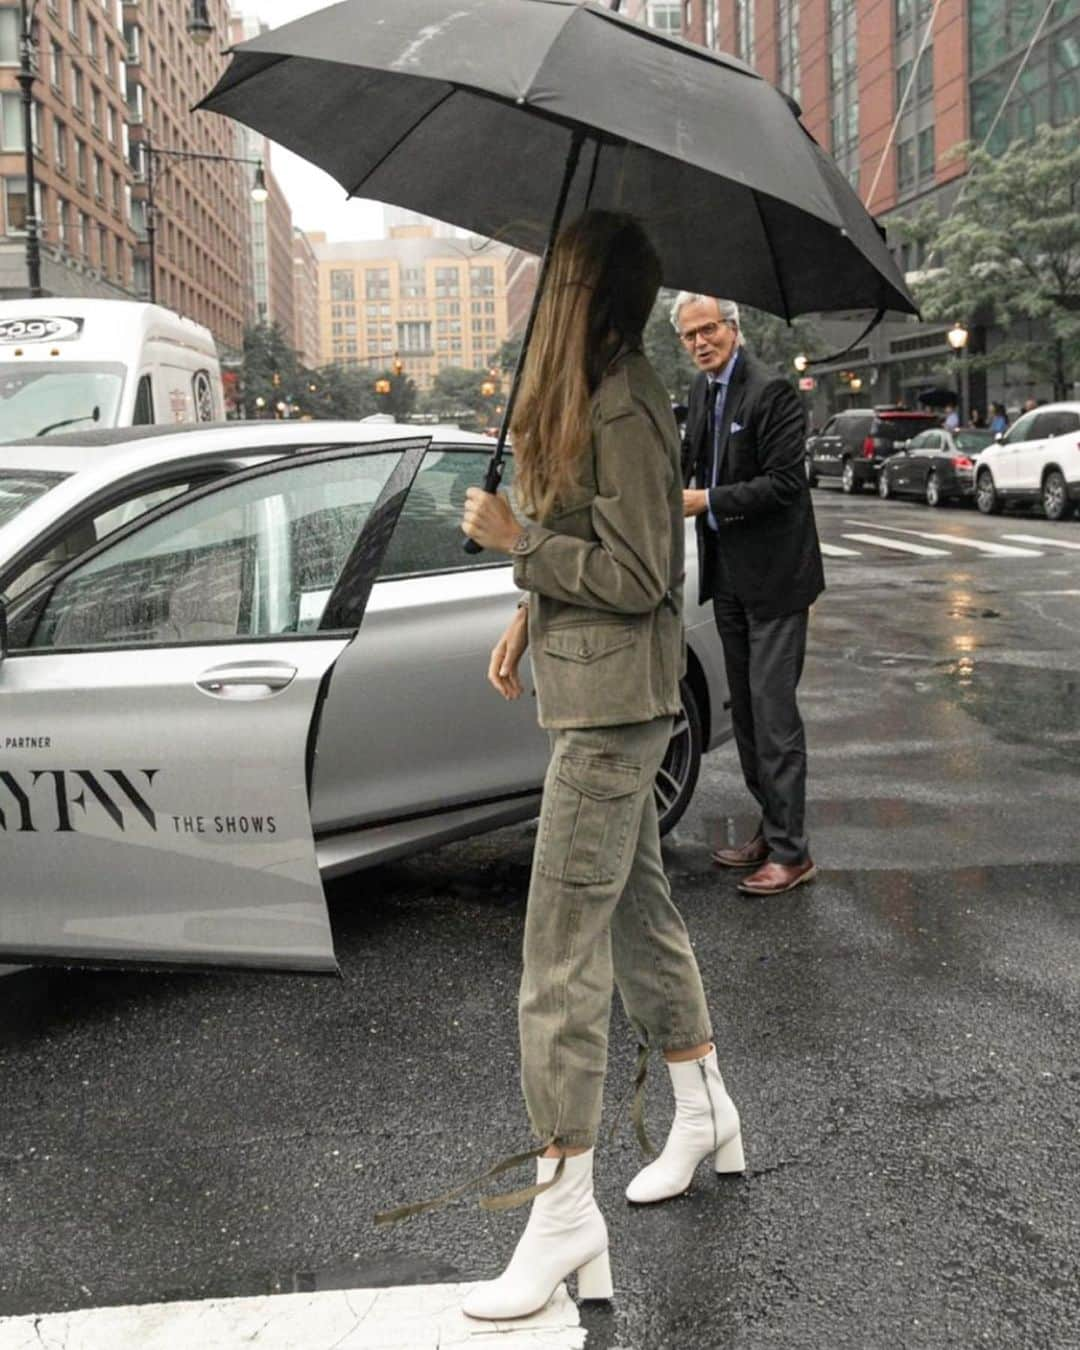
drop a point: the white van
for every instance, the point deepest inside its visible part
(70, 364)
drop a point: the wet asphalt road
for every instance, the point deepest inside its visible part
(902, 1038)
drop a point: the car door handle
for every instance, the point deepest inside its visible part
(246, 679)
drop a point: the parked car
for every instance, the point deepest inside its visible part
(1036, 462)
(274, 678)
(69, 362)
(938, 466)
(853, 445)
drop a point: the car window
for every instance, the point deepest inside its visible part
(84, 533)
(1059, 422)
(855, 425)
(926, 440)
(901, 428)
(20, 487)
(830, 427)
(428, 536)
(1023, 429)
(973, 441)
(252, 559)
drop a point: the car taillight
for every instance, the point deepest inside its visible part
(868, 448)
(962, 462)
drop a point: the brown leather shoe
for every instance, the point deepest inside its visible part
(776, 878)
(751, 854)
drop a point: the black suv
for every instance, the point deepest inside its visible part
(854, 444)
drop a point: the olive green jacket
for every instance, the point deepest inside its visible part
(605, 571)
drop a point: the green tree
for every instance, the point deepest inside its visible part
(507, 356)
(270, 370)
(395, 393)
(776, 342)
(337, 391)
(667, 355)
(1008, 254)
(458, 395)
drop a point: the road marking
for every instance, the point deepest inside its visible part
(1042, 539)
(898, 544)
(998, 550)
(414, 1317)
(835, 551)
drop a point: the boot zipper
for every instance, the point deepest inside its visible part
(712, 1108)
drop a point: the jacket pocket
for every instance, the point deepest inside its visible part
(587, 819)
(587, 642)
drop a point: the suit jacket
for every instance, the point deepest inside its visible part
(766, 551)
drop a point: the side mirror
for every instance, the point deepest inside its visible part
(998, 436)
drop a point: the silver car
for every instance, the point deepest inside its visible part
(275, 677)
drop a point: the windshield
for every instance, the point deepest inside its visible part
(20, 487)
(973, 440)
(38, 399)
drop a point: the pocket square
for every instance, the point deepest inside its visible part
(736, 426)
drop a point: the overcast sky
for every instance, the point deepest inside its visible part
(318, 203)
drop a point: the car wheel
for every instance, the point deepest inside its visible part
(884, 487)
(678, 774)
(1055, 496)
(848, 481)
(811, 476)
(986, 498)
(933, 489)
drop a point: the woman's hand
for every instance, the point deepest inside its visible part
(489, 520)
(506, 656)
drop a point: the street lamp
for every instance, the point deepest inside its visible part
(149, 152)
(800, 362)
(26, 77)
(198, 25)
(855, 384)
(382, 386)
(957, 337)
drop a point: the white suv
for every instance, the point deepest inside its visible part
(1037, 460)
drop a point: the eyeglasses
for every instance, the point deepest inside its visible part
(709, 331)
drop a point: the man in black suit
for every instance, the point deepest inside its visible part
(760, 564)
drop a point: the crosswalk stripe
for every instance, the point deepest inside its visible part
(899, 545)
(1042, 539)
(980, 545)
(413, 1317)
(835, 551)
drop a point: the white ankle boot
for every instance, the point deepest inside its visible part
(565, 1232)
(706, 1122)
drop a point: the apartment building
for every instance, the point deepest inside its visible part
(305, 300)
(79, 138)
(431, 302)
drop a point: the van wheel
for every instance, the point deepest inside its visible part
(1055, 496)
(848, 481)
(933, 489)
(986, 498)
(678, 774)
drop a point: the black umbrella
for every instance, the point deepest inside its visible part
(473, 110)
(468, 110)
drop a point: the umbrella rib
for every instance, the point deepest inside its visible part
(401, 139)
(772, 255)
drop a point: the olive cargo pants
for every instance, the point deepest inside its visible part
(600, 911)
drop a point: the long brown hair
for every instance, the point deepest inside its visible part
(601, 285)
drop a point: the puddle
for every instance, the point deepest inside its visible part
(1022, 704)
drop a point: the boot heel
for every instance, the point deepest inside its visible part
(594, 1278)
(729, 1156)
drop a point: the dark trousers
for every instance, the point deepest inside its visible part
(764, 660)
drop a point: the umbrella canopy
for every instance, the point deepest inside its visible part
(467, 110)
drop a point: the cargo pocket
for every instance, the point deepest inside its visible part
(588, 643)
(588, 819)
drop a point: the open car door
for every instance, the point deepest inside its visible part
(158, 705)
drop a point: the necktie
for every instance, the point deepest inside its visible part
(718, 393)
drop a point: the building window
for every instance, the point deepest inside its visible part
(377, 283)
(925, 154)
(80, 162)
(481, 281)
(710, 23)
(787, 29)
(60, 145)
(744, 30)
(412, 282)
(342, 285)
(9, 37)
(14, 205)
(905, 165)
(844, 81)
(447, 281)
(75, 19)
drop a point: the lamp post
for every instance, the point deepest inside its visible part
(957, 337)
(26, 77)
(148, 152)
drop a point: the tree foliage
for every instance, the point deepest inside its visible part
(666, 354)
(1008, 253)
(457, 395)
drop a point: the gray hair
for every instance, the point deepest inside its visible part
(729, 310)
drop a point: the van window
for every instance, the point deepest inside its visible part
(144, 404)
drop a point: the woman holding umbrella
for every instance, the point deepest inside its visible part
(601, 560)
